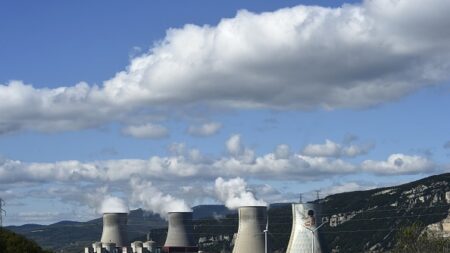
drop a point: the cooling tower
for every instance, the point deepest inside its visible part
(114, 229)
(250, 235)
(305, 219)
(180, 234)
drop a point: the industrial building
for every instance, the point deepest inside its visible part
(251, 236)
(305, 235)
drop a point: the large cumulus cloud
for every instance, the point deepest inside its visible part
(295, 58)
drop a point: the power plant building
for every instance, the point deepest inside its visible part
(250, 236)
(305, 234)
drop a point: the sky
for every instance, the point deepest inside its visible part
(165, 105)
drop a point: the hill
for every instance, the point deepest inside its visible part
(11, 242)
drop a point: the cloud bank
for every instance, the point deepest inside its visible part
(190, 164)
(302, 57)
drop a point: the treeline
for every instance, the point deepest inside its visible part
(11, 242)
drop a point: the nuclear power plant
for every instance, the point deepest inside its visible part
(305, 236)
(250, 236)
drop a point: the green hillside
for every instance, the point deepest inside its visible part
(11, 242)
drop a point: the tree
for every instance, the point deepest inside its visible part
(13, 243)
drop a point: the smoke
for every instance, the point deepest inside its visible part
(113, 204)
(152, 199)
(234, 193)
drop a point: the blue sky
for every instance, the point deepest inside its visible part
(287, 96)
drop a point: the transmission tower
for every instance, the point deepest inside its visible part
(317, 194)
(2, 211)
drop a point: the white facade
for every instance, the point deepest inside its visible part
(304, 236)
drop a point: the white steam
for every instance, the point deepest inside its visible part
(152, 199)
(111, 204)
(233, 193)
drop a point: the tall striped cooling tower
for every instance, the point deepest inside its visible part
(250, 235)
(115, 229)
(180, 236)
(304, 236)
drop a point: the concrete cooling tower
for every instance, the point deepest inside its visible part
(250, 235)
(304, 236)
(180, 233)
(115, 229)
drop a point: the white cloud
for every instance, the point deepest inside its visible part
(188, 164)
(148, 130)
(206, 129)
(237, 150)
(234, 145)
(399, 164)
(363, 54)
(332, 149)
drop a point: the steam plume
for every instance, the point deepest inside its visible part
(152, 199)
(113, 204)
(234, 193)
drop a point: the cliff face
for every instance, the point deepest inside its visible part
(367, 221)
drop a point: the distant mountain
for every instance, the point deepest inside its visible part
(361, 221)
